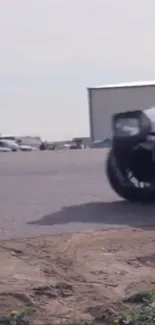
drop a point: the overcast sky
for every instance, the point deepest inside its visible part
(51, 50)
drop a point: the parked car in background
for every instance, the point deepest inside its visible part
(66, 146)
(76, 146)
(26, 148)
(10, 144)
(5, 149)
(13, 145)
(43, 146)
(105, 143)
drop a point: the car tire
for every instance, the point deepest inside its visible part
(123, 187)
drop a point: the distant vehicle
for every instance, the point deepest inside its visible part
(10, 144)
(51, 146)
(5, 149)
(66, 146)
(77, 143)
(26, 148)
(43, 146)
(24, 142)
(105, 143)
(13, 145)
(75, 146)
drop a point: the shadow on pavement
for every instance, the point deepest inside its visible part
(110, 213)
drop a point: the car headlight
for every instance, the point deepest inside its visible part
(126, 127)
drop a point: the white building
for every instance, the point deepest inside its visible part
(104, 101)
(31, 141)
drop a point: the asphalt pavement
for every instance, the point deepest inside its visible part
(61, 191)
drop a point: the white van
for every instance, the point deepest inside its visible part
(10, 144)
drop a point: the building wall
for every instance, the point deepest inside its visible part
(105, 102)
(86, 141)
(31, 141)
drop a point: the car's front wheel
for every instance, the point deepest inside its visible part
(121, 183)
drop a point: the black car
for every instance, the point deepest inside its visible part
(130, 166)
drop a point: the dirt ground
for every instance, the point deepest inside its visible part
(80, 276)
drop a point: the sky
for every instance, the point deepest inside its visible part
(52, 50)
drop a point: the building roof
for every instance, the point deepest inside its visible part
(126, 84)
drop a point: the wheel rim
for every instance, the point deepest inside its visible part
(135, 182)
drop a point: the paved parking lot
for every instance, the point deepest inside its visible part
(62, 191)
